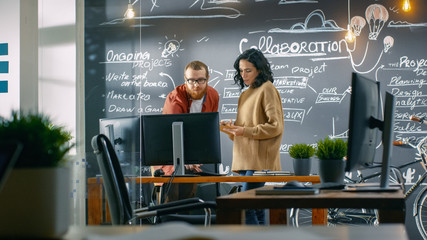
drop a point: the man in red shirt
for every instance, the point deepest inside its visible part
(191, 97)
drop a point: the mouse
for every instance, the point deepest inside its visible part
(159, 173)
(294, 184)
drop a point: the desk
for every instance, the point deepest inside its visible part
(98, 212)
(230, 208)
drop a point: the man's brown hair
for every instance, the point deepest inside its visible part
(197, 65)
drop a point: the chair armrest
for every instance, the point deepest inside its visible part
(176, 209)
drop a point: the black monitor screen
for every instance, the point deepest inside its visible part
(362, 137)
(201, 138)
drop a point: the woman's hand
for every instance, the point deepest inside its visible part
(224, 124)
(229, 128)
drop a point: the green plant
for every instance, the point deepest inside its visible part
(44, 144)
(331, 149)
(301, 151)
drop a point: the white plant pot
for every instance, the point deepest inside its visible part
(35, 203)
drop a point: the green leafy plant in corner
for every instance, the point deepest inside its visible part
(44, 144)
(331, 149)
(301, 151)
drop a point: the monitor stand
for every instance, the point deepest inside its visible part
(386, 127)
(178, 151)
(178, 148)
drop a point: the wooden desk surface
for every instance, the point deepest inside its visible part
(203, 179)
(325, 199)
(391, 205)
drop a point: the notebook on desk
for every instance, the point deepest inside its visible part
(291, 188)
(272, 173)
(9, 153)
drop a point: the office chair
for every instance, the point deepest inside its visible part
(118, 196)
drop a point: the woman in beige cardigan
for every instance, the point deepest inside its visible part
(257, 131)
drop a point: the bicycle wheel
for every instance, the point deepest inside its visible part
(336, 216)
(420, 212)
(300, 217)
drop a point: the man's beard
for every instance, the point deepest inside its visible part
(194, 95)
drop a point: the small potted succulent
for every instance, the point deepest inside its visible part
(331, 153)
(36, 195)
(301, 154)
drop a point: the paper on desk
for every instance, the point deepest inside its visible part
(183, 231)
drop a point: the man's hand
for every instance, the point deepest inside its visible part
(194, 167)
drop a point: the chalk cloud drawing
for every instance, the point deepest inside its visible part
(303, 27)
(401, 24)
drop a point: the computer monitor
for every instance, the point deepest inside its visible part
(123, 133)
(365, 125)
(178, 139)
(365, 104)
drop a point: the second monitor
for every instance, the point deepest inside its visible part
(178, 139)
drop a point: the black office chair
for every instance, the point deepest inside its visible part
(118, 197)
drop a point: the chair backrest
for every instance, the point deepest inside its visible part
(9, 153)
(114, 182)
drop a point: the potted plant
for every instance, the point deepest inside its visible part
(301, 154)
(331, 153)
(36, 196)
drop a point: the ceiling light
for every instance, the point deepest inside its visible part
(406, 6)
(130, 13)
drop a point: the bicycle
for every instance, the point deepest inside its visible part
(337, 216)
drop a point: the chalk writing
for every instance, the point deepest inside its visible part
(231, 92)
(128, 97)
(293, 115)
(291, 82)
(229, 108)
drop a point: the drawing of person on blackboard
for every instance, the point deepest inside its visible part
(191, 97)
(258, 128)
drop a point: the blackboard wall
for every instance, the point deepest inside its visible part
(131, 65)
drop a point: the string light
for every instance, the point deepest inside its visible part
(406, 6)
(130, 13)
(349, 37)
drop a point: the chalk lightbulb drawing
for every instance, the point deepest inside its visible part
(171, 47)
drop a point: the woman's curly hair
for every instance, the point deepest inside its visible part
(261, 63)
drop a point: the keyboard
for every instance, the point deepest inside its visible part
(208, 174)
(328, 185)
